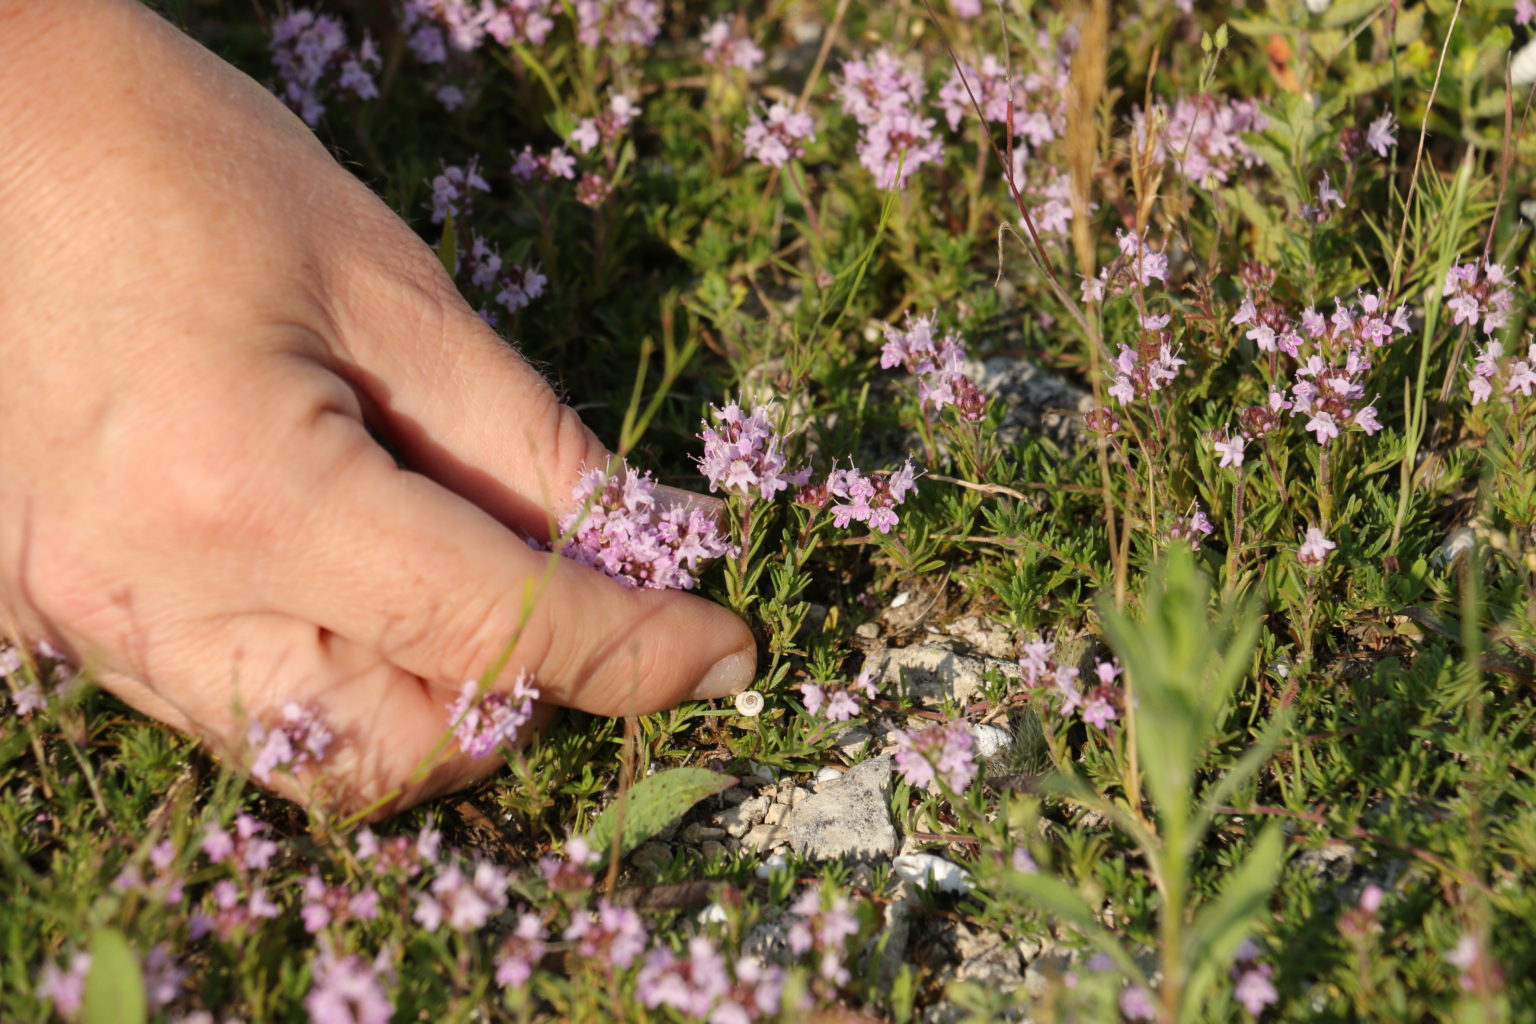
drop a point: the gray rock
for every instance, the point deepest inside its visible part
(846, 818)
(712, 850)
(695, 834)
(987, 958)
(651, 856)
(852, 741)
(1333, 862)
(738, 819)
(774, 814)
(934, 672)
(1035, 401)
(982, 635)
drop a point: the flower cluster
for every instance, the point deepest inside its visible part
(453, 191)
(1381, 136)
(557, 163)
(1038, 104)
(592, 132)
(742, 453)
(617, 22)
(839, 703)
(699, 986)
(936, 362)
(1479, 294)
(349, 988)
(464, 901)
(164, 886)
(1490, 368)
(325, 905)
(1137, 265)
(621, 529)
(939, 754)
(161, 973)
(723, 49)
(886, 99)
(1203, 137)
(776, 137)
(510, 286)
(824, 930)
(1098, 706)
(1149, 367)
(312, 58)
(302, 737)
(483, 721)
(520, 952)
(1193, 529)
(1252, 985)
(872, 499)
(612, 934)
(432, 27)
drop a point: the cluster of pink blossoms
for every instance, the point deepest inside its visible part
(592, 132)
(723, 49)
(1039, 108)
(161, 974)
(610, 933)
(617, 22)
(1314, 548)
(1334, 360)
(871, 499)
(937, 361)
(1252, 985)
(742, 453)
(1490, 368)
(1479, 294)
(453, 191)
(1203, 137)
(433, 27)
(300, 738)
(777, 136)
(824, 930)
(1138, 265)
(699, 986)
(349, 989)
(886, 98)
(839, 703)
(510, 286)
(621, 529)
(483, 721)
(464, 901)
(557, 163)
(312, 57)
(939, 754)
(1192, 529)
(1149, 367)
(1097, 706)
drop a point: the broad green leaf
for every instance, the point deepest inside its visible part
(652, 804)
(1221, 926)
(114, 986)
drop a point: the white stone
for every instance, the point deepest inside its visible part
(828, 774)
(930, 871)
(991, 741)
(847, 818)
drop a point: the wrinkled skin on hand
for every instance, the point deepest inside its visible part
(201, 317)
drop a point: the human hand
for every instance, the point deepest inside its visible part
(202, 316)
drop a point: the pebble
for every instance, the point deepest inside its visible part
(828, 774)
(712, 851)
(934, 672)
(696, 833)
(930, 871)
(738, 819)
(991, 741)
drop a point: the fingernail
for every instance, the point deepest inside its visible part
(731, 674)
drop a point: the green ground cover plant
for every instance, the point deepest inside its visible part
(1250, 735)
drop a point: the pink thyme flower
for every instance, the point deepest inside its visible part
(839, 703)
(1480, 973)
(1479, 294)
(520, 952)
(1254, 989)
(691, 985)
(742, 453)
(939, 754)
(1230, 449)
(1525, 12)
(776, 136)
(453, 191)
(1203, 136)
(302, 737)
(872, 500)
(617, 22)
(348, 989)
(1194, 529)
(312, 58)
(484, 721)
(464, 902)
(1382, 134)
(65, 989)
(938, 364)
(823, 927)
(328, 904)
(724, 50)
(886, 98)
(613, 934)
(1314, 548)
(619, 528)
(1136, 1004)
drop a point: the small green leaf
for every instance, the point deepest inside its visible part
(652, 804)
(114, 986)
(448, 247)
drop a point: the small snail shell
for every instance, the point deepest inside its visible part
(749, 703)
